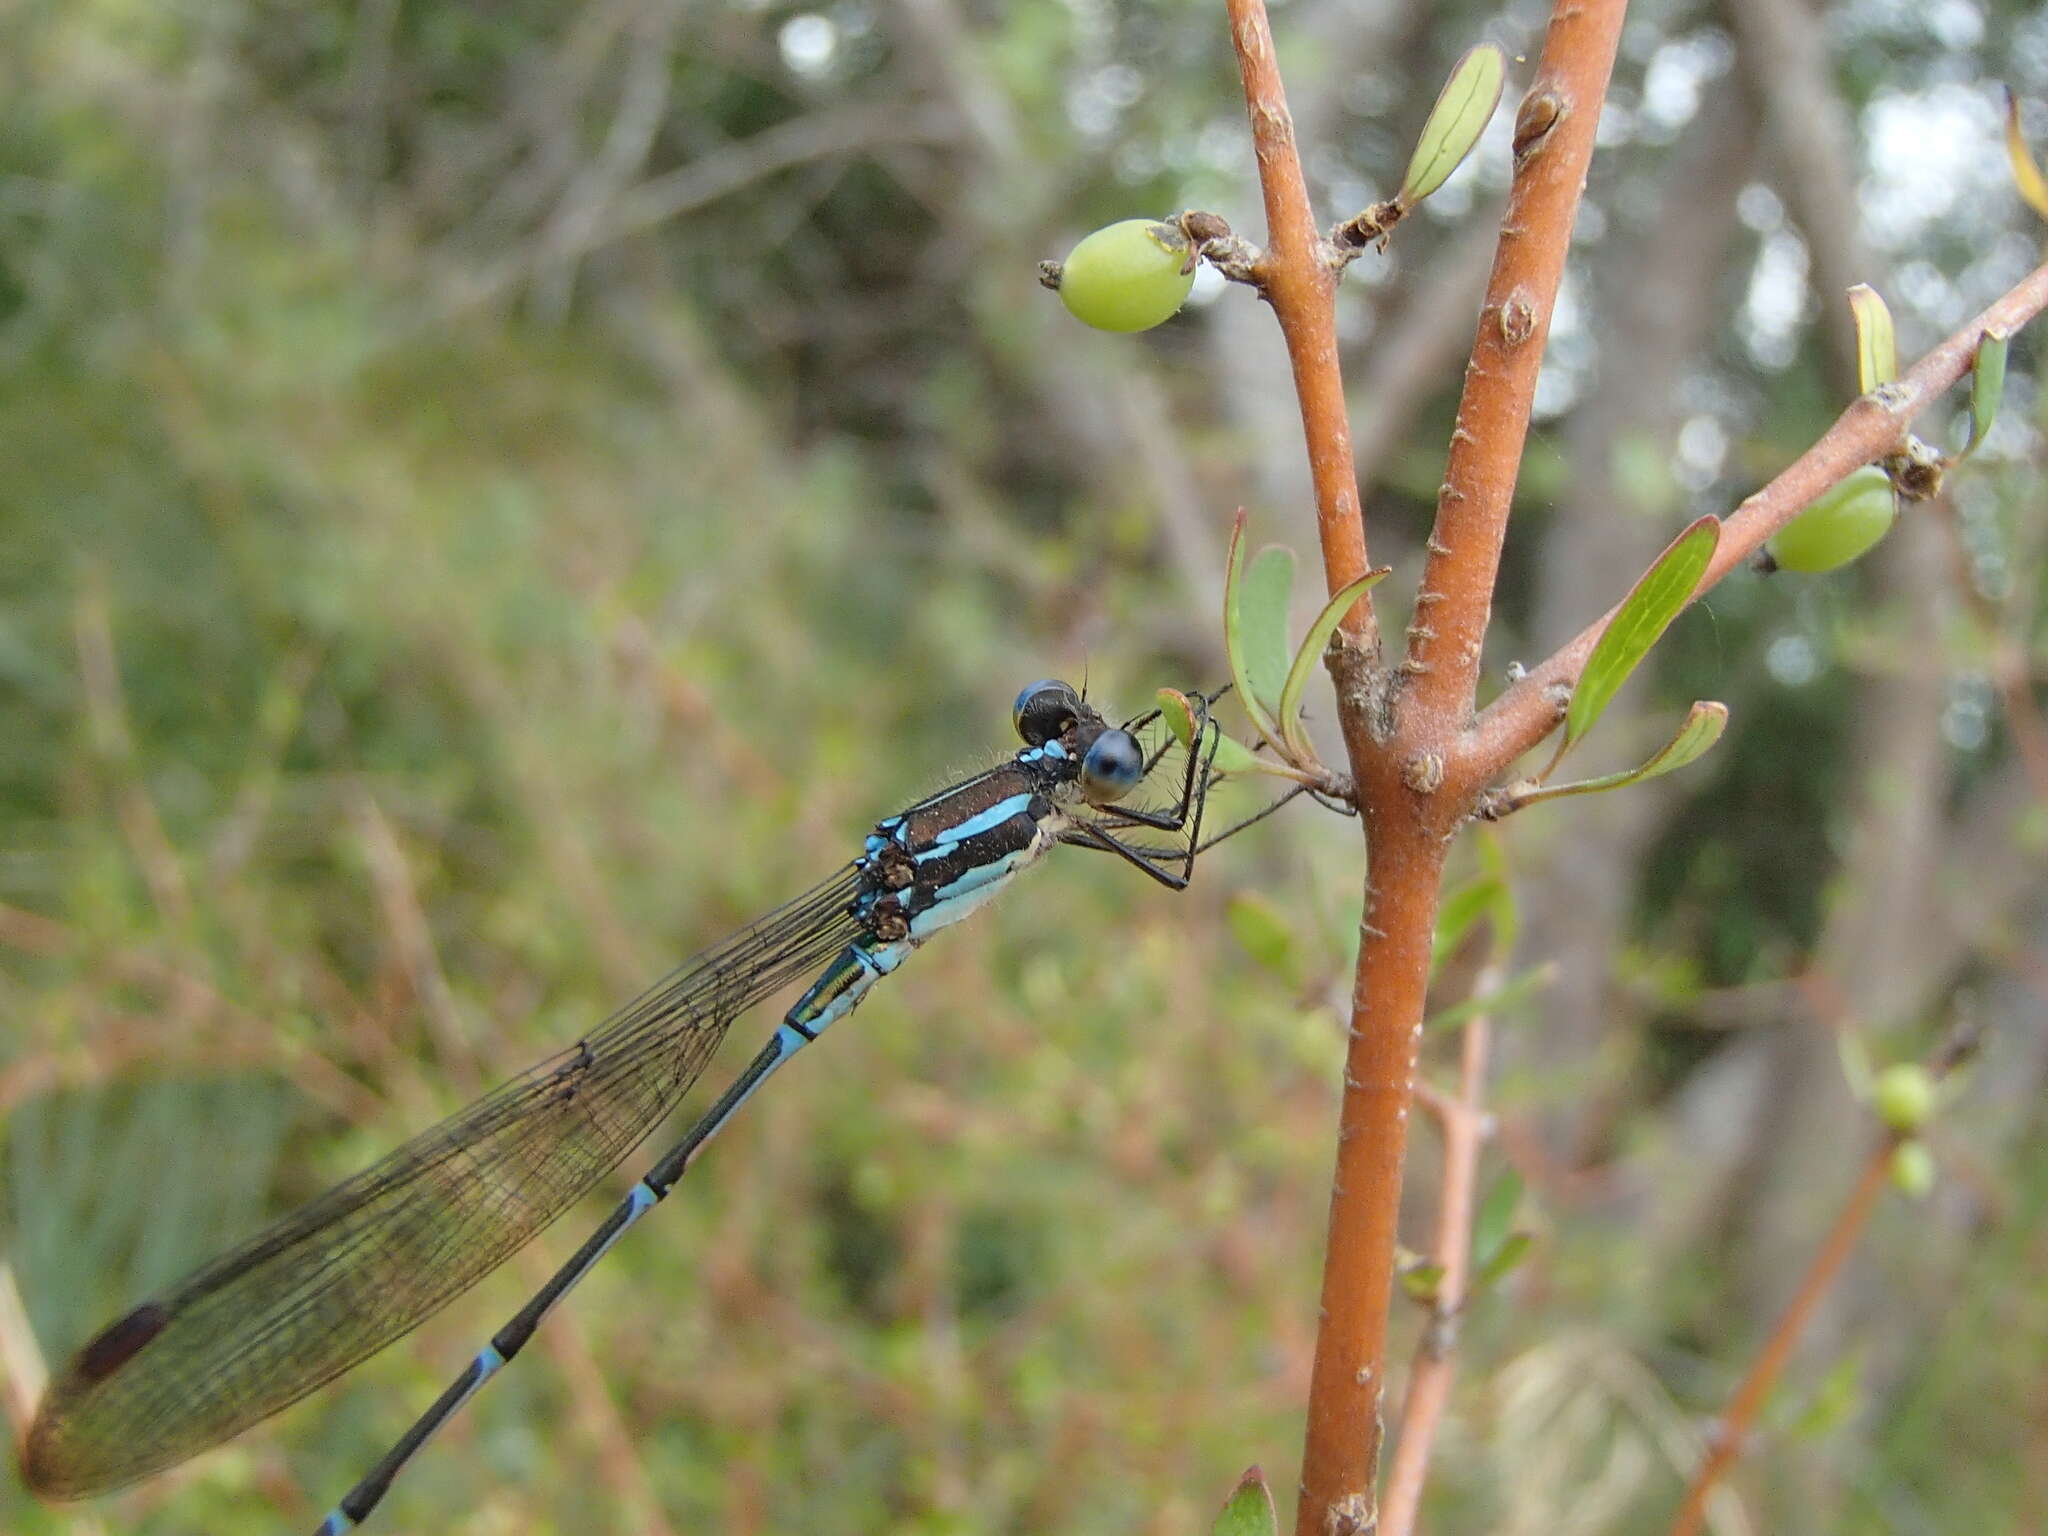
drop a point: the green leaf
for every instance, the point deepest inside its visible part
(1877, 345)
(1249, 1509)
(2026, 170)
(1262, 599)
(1489, 895)
(1310, 651)
(1701, 728)
(1839, 1396)
(1237, 645)
(1507, 914)
(1423, 1282)
(1513, 1249)
(1463, 109)
(1263, 930)
(1510, 994)
(1496, 1216)
(1232, 755)
(1640, 622)
(1459, 911)
(1987, 387)
(1178, 712)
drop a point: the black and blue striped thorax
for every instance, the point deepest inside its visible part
(932, 864)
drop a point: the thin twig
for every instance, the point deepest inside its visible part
(1301, 285)
(1340, 1453)
(1734, 1428)
(828, 134)
(1464, 1123)
(1738, 1421)
(106, 705)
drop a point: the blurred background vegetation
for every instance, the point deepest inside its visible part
(493, 495)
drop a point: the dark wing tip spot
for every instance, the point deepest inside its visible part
(120, 1341)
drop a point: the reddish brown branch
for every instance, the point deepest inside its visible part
(1340, 1455)
(1398, 754)
(1959, 1044)
(1871, 427)
(1554, 132)
(1300, 282)
(1740, 1418)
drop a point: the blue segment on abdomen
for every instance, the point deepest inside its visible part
(980, 875)
(980, 885)
(848, 979)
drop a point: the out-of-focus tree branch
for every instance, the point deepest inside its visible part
(1783, 53)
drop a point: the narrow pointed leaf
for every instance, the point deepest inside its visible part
(1503, 999)
(1645, 614)
(1463, 109)
(1263, 930)
(1234, 637)
(1249, 1509)
(1460, 910)
(1513, 1249)
(1233, 756)
(1310, 652)
(1505, 914)
(1262, 599)
(1987, 388)
(1496, 1216)
(1877, 344)
(2026, 170)
(1701, 728)
(1841, 1395)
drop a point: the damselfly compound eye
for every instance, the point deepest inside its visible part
(1043, 710)
(1112, 767)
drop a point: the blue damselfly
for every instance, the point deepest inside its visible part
(327, 1286)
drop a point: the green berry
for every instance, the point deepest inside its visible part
(1904, 1096)
(1128, 276)
(1913, 1168)
(1846, 520)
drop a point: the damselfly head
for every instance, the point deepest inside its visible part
(1045, 709)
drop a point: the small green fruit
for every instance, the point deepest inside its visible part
(1846, 520)
(1913, 1168)
(1128, 276)
(1903, 1096)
